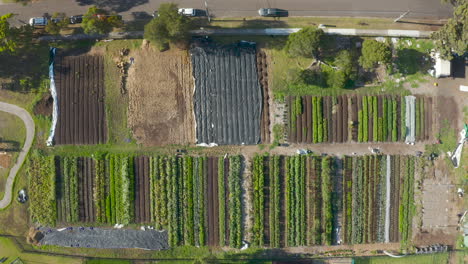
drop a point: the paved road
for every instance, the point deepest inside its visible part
(30, 127)
(131, 9)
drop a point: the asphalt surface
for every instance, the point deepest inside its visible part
(30, 127)
(134, 9)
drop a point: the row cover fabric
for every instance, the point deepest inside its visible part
(228, 95)
(53, 92)
(87, 237)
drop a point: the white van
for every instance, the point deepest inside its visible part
(190, 12)
(38, 21)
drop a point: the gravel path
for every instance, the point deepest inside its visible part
(30, 127)
(105, 238)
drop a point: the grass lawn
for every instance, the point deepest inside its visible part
(10, 250)
(13, 132)
(420, 259)
(288, 22)
(295, 22)
(116, 102)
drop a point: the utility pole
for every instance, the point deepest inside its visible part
(400, 17)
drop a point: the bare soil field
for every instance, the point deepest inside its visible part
(80, 91)
(160, 89)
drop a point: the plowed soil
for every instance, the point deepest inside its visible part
(160, 89)
(80, 90)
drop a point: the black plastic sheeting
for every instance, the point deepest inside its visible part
(87, 237)
(228, 95)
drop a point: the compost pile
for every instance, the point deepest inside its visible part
(228, 95)
(105, 238)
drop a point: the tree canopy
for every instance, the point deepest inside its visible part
(7, 35)
(168, 27)
(453, 36)
(374, 52)
(54, 27)
(99, 21)
(304, 42)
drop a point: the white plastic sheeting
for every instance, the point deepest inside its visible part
(53, 92)
(410, 121)
(387, 202)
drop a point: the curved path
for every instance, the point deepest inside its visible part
(30, 127)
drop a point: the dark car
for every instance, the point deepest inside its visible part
(76, 19)
(273, 12)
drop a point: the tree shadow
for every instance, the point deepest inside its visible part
(113, 5)
(459, 66)
(138, 21)
(25, 68)
(276, 255)
(10, 146)
(411, 61)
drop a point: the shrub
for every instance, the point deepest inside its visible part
(374, 52)
(168, 27)
(99, 21)
(304, 43)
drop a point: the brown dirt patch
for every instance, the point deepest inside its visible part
(44, 106)
(447, 110)
(5, 160)
(160, 89)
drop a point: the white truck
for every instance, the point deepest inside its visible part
(190, 12)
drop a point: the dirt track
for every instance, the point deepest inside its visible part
(160, 89)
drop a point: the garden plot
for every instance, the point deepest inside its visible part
(348, 118)
(79, 81)
(197, 199)
(296, 203)
(160, 90)
(105, 238)
(296, 200)
(228, 95)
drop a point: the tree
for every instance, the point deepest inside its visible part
(337, 79)
(453, 36)
(305, 42)
(57, 23)
(347, 64)
(8, 41)
(99, 21)
(374, 52)
(168, 27)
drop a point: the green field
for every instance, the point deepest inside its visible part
(13, 132)
(11, 251)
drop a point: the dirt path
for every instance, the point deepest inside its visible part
(30, 128)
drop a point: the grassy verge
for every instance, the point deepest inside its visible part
(9, 249)
(294, 22)
(419, 259)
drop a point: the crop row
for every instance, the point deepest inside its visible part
(379, 119)
(370, 119)
(41, 175)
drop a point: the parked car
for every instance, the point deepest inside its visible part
(38, 21)
(76, 19)
(56, 19)
(273, 12)
(191, 12)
